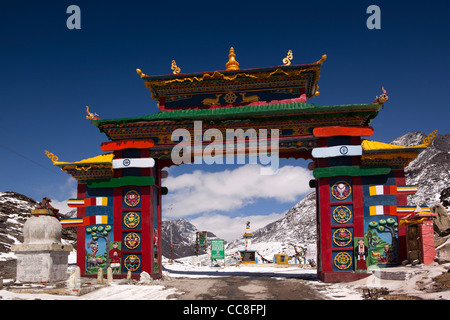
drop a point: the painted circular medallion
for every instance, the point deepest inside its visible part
(342, 260)
(132, 198)
(132, 262)
(342, 237)
(341, 190)
(131, 220)
(342, 214)
(132, 240)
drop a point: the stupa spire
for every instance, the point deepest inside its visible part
(232, 64)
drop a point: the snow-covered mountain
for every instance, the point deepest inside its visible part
(430, 171)
(14, 210)
(297, 227)
(183, 234)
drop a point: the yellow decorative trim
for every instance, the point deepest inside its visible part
(393, 155)
(289, 57)
(82, 168)
(51, 156)
(219, 75)
(369, 145)
(101, 159)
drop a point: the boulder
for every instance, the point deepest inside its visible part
(443, 252)
(441, 221)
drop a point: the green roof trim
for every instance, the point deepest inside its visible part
(293, 108)
(350, 171)
(122, 182)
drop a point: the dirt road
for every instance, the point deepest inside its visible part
(242, 288)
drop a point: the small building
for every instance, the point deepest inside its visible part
(281, 259)
(248, 256)
(420, 237)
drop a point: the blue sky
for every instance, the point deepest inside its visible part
(48, 73)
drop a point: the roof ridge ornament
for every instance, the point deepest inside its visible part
(381, 98)
(90, 115)
(429, 138)
(140, 73)
(175, 68)
(51, 156)
(322, 59)
(232, 64)
(289, 57)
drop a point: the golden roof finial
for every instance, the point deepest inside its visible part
(287, 60)
(232, 64)
(175, 68)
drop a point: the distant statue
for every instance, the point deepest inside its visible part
(45, 205)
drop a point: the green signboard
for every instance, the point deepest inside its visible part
(217, 249)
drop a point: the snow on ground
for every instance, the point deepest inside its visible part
(113, 292)
(200, 267)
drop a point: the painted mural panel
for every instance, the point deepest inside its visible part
(98, 235)
(98, 239)
(381, 234)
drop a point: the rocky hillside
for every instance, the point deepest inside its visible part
(430, 171)
(14, 210)
(183, 235)
(297, 227)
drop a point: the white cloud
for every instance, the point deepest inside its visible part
(65, 192)
(230, 228)
(207, 192)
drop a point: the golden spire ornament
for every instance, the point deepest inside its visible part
(232, 64)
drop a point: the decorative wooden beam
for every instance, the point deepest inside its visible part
(127, 144)
(325, 132)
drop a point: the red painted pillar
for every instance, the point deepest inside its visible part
(358, 208)
(117, 204)
(147, 218)
(81, 235)
(427, 235)
(325, 224)
(401, 201)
